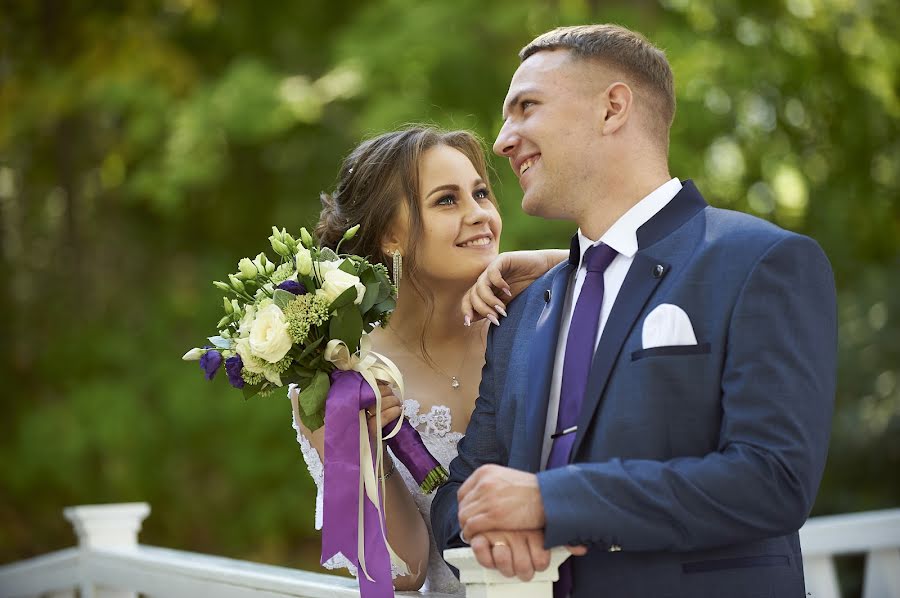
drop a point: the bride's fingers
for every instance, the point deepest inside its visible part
(482, 307)
(496, 279)
(468, 313)
(388, 417)
(485, 296)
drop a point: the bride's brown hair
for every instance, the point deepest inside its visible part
(374, 179)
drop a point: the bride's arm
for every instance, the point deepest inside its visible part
(406, 529)
(507, 276)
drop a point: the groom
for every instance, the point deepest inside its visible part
(662, 400)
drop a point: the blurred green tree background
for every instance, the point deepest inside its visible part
(146, 145)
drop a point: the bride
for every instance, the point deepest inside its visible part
(426, 210)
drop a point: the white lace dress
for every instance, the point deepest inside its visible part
(435, 429)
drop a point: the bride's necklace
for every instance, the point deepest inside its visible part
(454, 380)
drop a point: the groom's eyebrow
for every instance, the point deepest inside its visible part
(514, 101)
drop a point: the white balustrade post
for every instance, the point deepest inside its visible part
(112, 527)
(489, 583)
(882, 578)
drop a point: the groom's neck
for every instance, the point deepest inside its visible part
(620, 191)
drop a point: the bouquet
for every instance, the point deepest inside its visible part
(305, 320)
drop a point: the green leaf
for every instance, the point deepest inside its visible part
(281, 298)
(345, 298)
(373, 290)
(367, 274)
(326, 254)
(313, 422)
(310, 348)
(348, 266)
(386, 306)
(312, 398)
(221, 342)
(347, 325)
(250, 391)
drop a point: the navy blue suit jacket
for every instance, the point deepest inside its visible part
(699, 462)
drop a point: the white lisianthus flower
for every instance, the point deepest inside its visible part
(269, 338)
(304, 261)
(247, 268)
(193, 355)
(337, 281)
(247, 321)
(324, 267)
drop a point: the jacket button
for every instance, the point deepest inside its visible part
(615, 548)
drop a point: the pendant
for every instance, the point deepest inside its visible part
(454, 381)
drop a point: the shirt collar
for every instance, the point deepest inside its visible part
(622, 235)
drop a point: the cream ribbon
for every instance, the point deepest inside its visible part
(373, 367)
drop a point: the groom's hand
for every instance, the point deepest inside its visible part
(517, 553)
(499, 498)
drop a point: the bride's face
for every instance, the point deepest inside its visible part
(460, 223)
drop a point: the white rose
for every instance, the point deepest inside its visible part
(323, 268)
(304, 261)
(337, 281)
(269, 338)
(251, 363)
(242, 348)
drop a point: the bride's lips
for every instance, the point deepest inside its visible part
(479, 241)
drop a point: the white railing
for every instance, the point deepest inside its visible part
(874, 533)
(109, 563)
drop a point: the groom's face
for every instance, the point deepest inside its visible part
(549, 132)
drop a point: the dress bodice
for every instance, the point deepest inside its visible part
(435, 428)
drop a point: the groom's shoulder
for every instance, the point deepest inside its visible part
(531, 299)
(731, 229)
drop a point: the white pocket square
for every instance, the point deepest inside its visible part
(667, 325)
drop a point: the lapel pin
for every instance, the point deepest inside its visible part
(547, 296)
(658, 271)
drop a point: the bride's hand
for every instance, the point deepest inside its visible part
(391, 409)
(502, 281)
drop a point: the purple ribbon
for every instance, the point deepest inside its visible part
(409, 447)
(349, 393)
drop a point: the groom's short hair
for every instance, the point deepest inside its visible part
(622, 49)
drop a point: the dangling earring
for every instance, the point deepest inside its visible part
(398, 268)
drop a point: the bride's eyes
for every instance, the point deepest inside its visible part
(450, 199)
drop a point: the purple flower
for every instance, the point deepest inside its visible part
(292, 286)
(233, 366)
(210, 362)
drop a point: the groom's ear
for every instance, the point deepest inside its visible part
(618, 101)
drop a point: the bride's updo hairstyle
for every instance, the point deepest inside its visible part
(374, 179)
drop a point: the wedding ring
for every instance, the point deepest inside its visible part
(499, 543)
(369, 415)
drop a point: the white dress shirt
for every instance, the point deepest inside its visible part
(621, 236)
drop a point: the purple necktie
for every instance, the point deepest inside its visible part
(580, 345)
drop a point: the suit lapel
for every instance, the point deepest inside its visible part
(542, 357)
(640, 283)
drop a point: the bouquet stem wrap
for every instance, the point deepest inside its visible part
(352, 471)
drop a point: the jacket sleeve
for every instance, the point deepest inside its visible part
(777, 395)
(478, 447)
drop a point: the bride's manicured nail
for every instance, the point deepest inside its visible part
(500, 310)
(493, 319)
(467, 321)
(508, 294)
